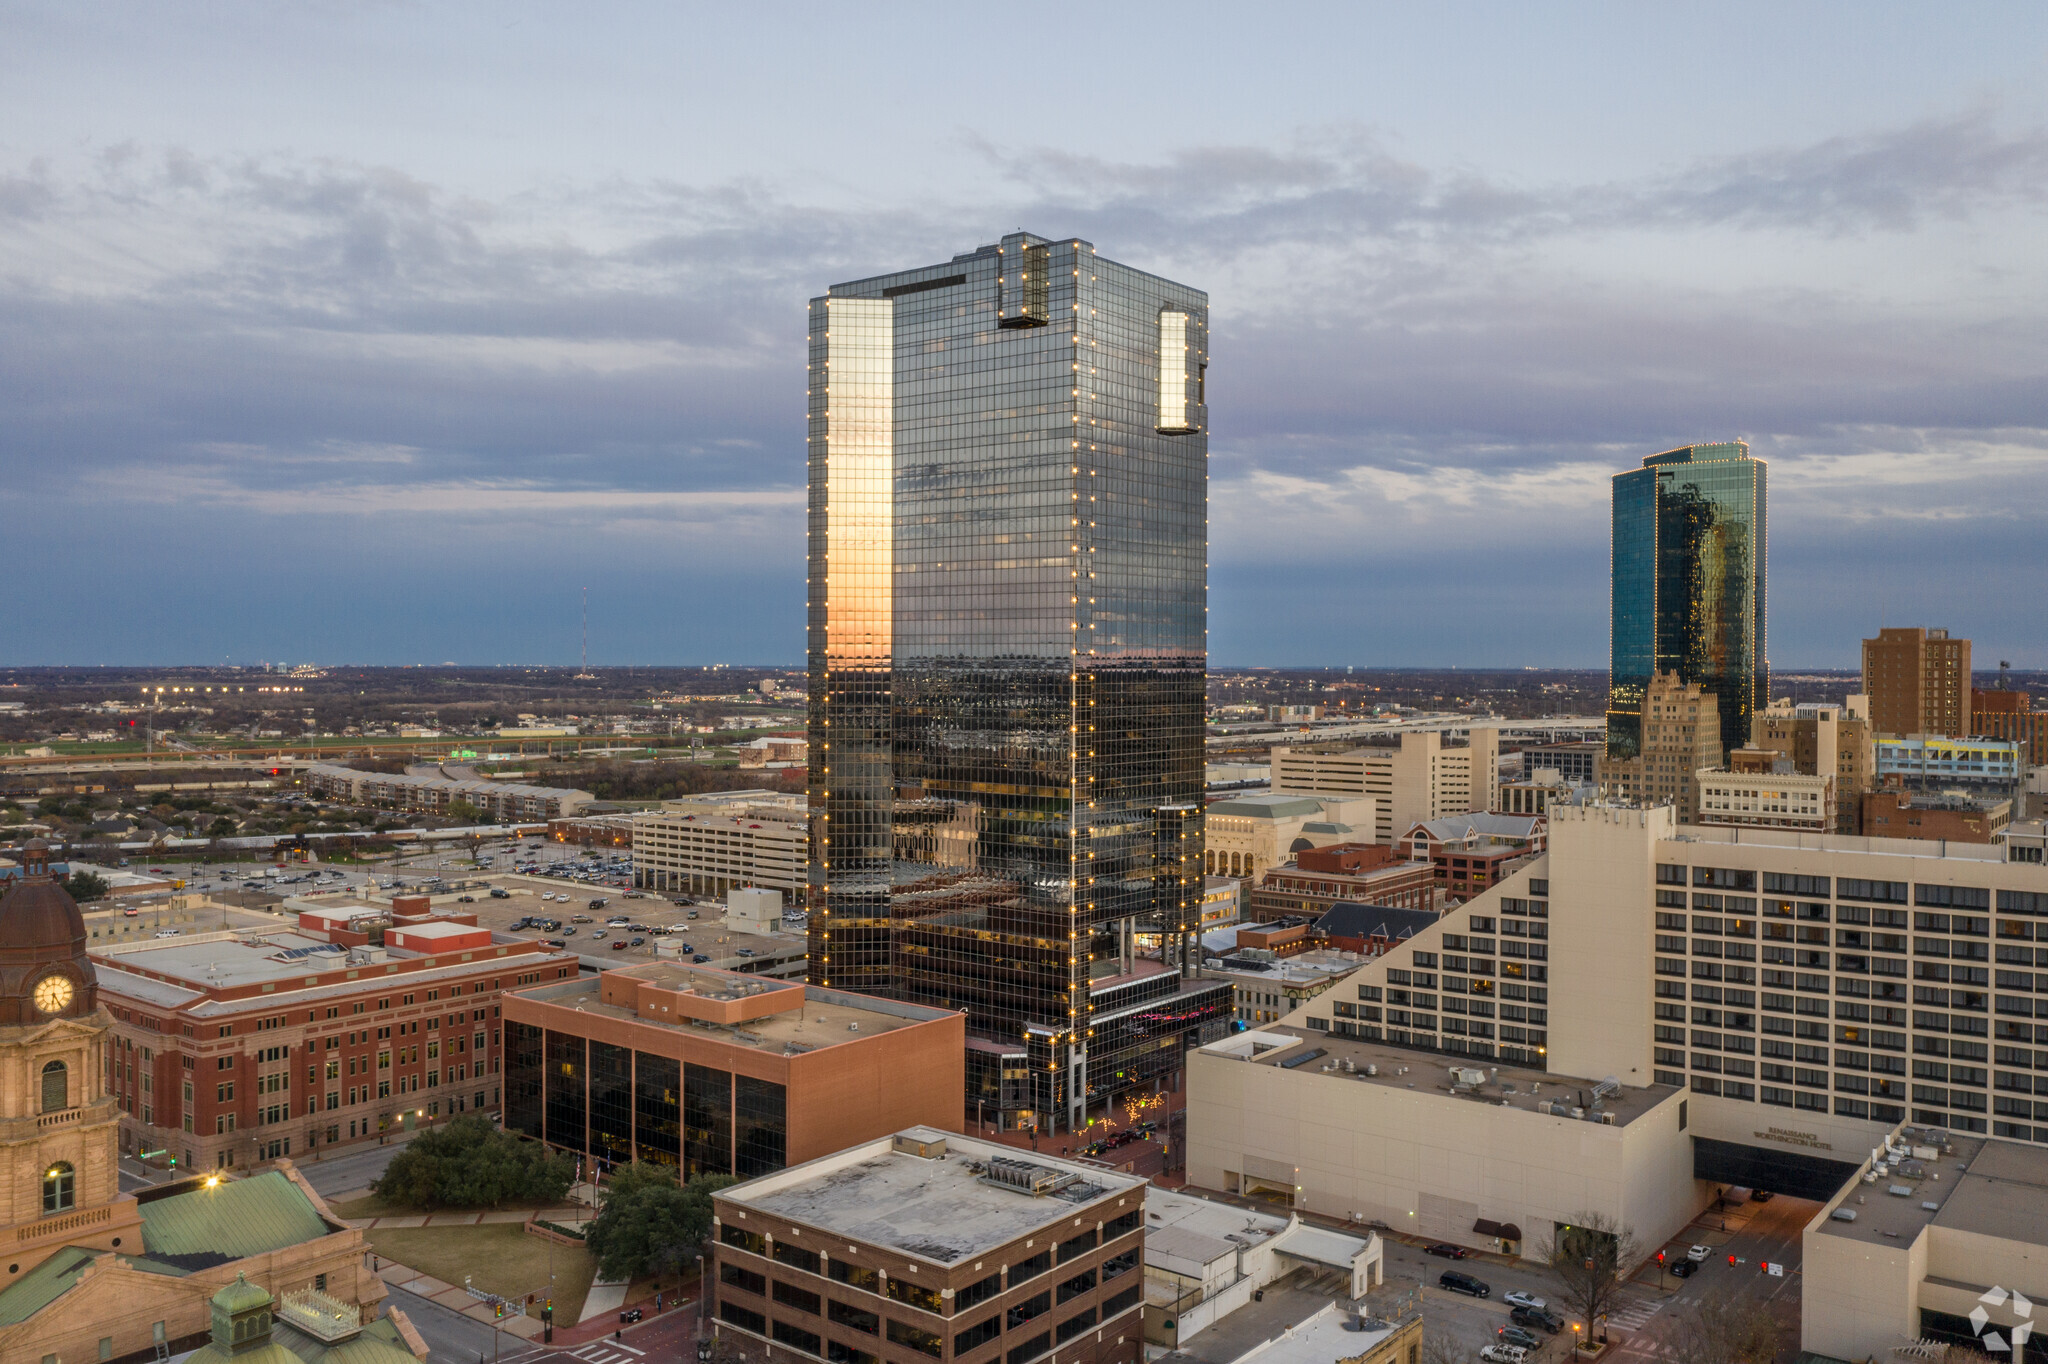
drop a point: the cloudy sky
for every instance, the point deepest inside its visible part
(374, 332)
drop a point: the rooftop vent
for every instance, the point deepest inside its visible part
(1024, 1177)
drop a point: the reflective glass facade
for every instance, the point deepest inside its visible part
(1689, 586)
(1008, 570)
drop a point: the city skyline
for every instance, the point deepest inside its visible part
(307, 318)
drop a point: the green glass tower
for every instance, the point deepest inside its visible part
(1689, 575)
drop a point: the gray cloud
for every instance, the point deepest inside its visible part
(1408, 358)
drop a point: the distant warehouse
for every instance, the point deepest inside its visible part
(503, 801)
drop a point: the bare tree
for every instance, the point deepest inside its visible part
(1438, 1347)
(1717, 1328)
(1592, 1255)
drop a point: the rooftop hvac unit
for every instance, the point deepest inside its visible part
(1025, 1177)
(1467, 1075)
(1843, 1215)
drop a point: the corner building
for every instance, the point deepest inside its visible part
(1008, 568)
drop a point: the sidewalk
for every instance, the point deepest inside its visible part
(458, 1299)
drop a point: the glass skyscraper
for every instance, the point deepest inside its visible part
(1689, 561)
(1008, 548)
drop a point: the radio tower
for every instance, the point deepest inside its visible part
(585, 673)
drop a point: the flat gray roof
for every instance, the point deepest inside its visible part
(1976, 1184)
(1276, 1044)
(942, 1210)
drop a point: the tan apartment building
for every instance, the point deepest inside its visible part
(501, 801)
(1918, 682)
(722, 1073)
(926, 1245)
(702, 852)
(1681, 729)
(1422, 778)
(232, 1048)
(1824, 740)
(1247, 834)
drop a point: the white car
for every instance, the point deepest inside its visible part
(1517, 1298)
(1503, 1354)
(1699, 1254)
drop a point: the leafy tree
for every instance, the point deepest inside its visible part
(463, 812)
(1592, 1255)
(470, 1163)
(221, 828)
(650, 1224)
(86, 885)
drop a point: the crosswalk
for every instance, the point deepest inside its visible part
(606, 1352)
(1632, 1314)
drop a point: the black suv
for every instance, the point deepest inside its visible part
(1464, 1283)
(1536, 1316)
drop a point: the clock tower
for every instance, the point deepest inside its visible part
(59, 1182)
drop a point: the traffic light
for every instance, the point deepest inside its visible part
(1731, 1261)
(1660, 1257)
(501, 1311)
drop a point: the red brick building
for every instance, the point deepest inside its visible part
(1999, 714)
(1359, 873)
(239, 1046)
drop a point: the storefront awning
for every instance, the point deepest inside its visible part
(1505, 1231)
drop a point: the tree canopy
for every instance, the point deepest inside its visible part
(471, 1163)
(86, 885)
(650, 1223)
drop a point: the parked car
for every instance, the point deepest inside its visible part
(1503, 1354)
(1540, 1318)
(1448, 1252)
(500, 893)
(1685, 1269)
(1457, 1282)
(1516, 1335)
(1699, 1254)
(698, 957)
(1761, 1196)
(1515, 1297)
(621, 945)
(637, 942)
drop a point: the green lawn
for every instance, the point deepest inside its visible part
(371, 1205)
(498, 1257)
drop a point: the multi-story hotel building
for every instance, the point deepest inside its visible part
(1755, 1007)
(1918, 682)
(721, 1073)
(1008, 464)
(702, 853)
(234, 1047)
(1420, 778)
(927, 1245)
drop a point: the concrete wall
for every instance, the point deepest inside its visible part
(1418, 1159)
(1602, 938)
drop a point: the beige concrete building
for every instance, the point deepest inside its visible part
(1935, 1226)
(1821, 739)
(1776, 799)
(696, 852)
(1918, 682)
(1681, 735)
(1422, 779)
(1248, 834)
(1787, 998)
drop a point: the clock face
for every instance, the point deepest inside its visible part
(53, 994)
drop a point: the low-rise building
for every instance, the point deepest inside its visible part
(1532, 794)
(1821, 739)
(1370, 930)
(694, 853)
(1267, 986)
(928, 1245)
(1924, 763)
(1356, 873)
(593, 831)
(1575, 762)
(1953, 815)
(1997, 713)
(1205, 1260)
(1473, 851)
(504, 801)
(1937, 1237)
(1776, 798)
(229, 1048)
(1247, 834)
(722, 1073)
(1222, 900)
